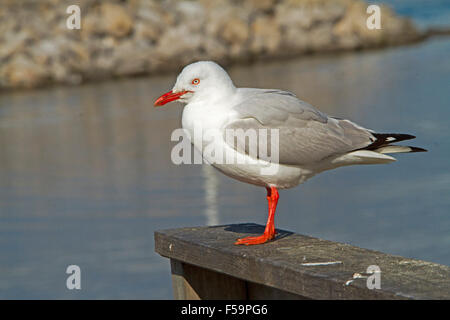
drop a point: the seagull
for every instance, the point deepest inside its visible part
(309, 141)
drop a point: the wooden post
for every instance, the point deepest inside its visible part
(194, 283)
(207, 265)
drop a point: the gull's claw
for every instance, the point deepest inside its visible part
(248, 241)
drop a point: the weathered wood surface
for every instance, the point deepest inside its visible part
(207, 265)
(192, 283)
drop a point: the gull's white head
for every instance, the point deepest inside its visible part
(199, 81)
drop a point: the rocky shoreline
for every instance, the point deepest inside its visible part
(135, 37)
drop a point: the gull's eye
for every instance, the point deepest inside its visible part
(196, 81)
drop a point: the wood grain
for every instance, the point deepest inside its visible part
(303, 266)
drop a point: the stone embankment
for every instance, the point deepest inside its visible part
(125, 38)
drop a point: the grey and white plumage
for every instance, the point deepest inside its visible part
(309, 140)
(306, 135)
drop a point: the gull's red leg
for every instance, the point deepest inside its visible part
(269, 232)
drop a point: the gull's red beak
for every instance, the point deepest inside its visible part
(168, 97)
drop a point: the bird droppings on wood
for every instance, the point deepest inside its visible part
(321, 263)
(355, 276)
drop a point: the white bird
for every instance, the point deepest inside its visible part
(309, 141)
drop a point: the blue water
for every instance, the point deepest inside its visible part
(425, 13)
(86, 177)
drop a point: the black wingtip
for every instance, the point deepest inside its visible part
(408, 136)
(417, 149)
(393, 137)
(383, 139)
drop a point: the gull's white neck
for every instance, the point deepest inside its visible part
(209, 111)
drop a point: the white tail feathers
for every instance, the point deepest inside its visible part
(363, 157)
(397, 149)
(371, 157)
(376, 156)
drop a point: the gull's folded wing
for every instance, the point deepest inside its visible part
(306, 135)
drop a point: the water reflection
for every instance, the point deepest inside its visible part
(211, 193)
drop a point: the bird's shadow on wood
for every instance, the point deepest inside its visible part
(255, 229)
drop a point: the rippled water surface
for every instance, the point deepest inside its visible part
(86, 176)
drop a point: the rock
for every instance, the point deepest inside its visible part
(124, 66)
(116, 20)
(191, 11)
(110, 19)
(321, 37)
(150, 22)
(261, 4)
(45, 50)
(150, 15)
(120, 38)
(355, 23)
(295, 40)
(235, 31)
(146, 32)
(21, 72)
(13, 44)
(214, 49)
(193, 16)
(77, 56)
(178, 45)
(297, 17)
(266, 35)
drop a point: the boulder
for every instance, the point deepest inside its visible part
(110, 19)
(266, 35)
(120, 38)
(23, 72)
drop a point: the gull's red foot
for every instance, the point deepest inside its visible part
(248, 241)
(269, 232)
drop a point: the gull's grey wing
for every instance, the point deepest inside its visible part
(271, 105)
(306, 135)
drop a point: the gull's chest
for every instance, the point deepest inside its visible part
(204, 119)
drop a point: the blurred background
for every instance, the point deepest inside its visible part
(85, 169)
